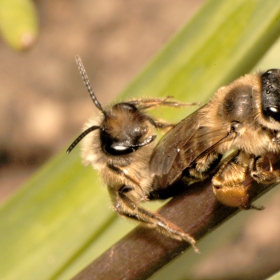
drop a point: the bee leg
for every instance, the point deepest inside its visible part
(261, 175)
(161, 124)
(143, 104)
(126, 207)
(228, 182)
(153, 102)
(251, 206)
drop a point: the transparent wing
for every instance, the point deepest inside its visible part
(182, 146)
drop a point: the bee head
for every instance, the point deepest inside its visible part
(271, 94)
(124, 130)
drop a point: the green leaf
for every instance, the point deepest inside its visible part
(60, 220)
(276, 276)
(18, 23)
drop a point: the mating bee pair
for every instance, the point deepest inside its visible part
(243, 117)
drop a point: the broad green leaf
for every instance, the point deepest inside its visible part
(18, 23)
(61, 219)
(276, 276)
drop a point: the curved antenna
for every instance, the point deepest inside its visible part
(79, 138)
(88, 85)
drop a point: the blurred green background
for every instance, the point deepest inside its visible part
(60, 220)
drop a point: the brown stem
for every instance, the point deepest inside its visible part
(144, 251)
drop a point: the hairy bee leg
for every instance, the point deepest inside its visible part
(153, 102)
(263, 176)
(204, 165)
(126, 207)
(228, 183)
(144, 104)
(162, 124)
(159, 124)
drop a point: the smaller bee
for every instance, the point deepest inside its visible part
(120, 144)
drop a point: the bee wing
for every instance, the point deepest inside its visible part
(181, 146)
(167, 149)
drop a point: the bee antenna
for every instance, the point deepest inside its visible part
(88, 85)
(79, 138)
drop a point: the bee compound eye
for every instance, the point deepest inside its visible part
(119, 148)
(273, 110)
(274, 113)
(116, 148)
(270, 71)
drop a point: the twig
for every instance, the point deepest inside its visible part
(144, 251)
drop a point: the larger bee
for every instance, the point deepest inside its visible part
(243, 117)
(119, 146)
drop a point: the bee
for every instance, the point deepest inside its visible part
(119, 146)
(243, 118)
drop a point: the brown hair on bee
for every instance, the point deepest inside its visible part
(243, 117)
(119, 146)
